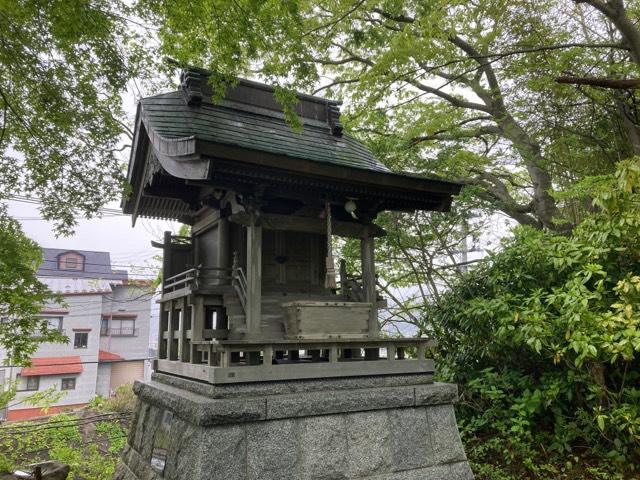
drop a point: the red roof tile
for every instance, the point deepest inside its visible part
(52, 366)
(104, 356)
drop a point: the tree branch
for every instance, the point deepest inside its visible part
(446, 135)
(456, 102)
(614, 83)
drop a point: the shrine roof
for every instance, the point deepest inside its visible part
(186, 139)
(171, 119)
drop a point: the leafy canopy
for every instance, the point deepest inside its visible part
(63, 68)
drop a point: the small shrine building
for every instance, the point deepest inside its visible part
(254, 293)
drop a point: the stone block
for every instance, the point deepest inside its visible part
(323, 448)
(147, 425)
(368, 443)
(199, 409)
(185, 438)
(338, 401)
(223, 411)
(240, 390)
(409, 439)
(222, 454)
(456, 471)
(341, 433)
(272, 450)
(445, 439)
(436, 394)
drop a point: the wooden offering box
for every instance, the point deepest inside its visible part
(317, 320)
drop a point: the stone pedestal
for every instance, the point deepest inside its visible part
(398, 427)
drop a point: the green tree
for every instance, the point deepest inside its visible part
(465, 89)
(22, 295)
(63, 68)
(544, 336)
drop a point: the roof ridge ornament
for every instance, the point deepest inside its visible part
(333, 115)
(191, 86)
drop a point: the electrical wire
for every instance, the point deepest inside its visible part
(89, 362)
(80, 421)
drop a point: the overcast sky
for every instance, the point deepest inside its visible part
(128, 246)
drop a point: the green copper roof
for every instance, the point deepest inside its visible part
(169, 117)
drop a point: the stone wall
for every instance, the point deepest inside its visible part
(391, 428)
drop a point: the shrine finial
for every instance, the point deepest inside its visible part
(191, 86)
(334, 119)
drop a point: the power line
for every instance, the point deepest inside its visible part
(37, 201)
(73, 422)
(90, 362)
(98, 264)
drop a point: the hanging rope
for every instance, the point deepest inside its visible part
(330, 277)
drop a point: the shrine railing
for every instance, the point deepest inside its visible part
(239, 283)
(179, 281)
(197, 278)
(231, 361)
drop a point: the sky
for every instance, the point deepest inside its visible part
(129, 246)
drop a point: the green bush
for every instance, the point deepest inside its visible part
(123, 400)
(92, 453)
(544, 338)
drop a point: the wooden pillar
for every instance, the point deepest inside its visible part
(171, 314)
(166, 258)
(254, 276)
(225, 256)
(181, 329)
(367, 256)
(163, 328)
(197, 328)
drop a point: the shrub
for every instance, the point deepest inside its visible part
(123, 400)
(544, 340)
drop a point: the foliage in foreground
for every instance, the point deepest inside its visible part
(90, 441)
(22, 295)
(545, 341)
(90, 448)
(123, 401)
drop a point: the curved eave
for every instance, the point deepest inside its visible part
(190, 158)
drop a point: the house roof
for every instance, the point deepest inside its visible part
(79, 286)
(53, 366)
(104, 356)
(97, 265)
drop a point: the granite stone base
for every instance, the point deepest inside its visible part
(385, 428)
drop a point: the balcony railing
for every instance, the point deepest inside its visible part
(120, 332)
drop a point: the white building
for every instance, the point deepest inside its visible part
(105, 318)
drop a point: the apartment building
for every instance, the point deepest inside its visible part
(105, 316)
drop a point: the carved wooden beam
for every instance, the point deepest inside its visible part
(310, 225)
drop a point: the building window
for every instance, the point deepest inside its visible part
(27, 384)
(55, 323)
(104, 326)
(68, 384)
(123, 328)
(80, 340)
(71, 261)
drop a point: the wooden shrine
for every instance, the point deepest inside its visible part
(254, 293)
